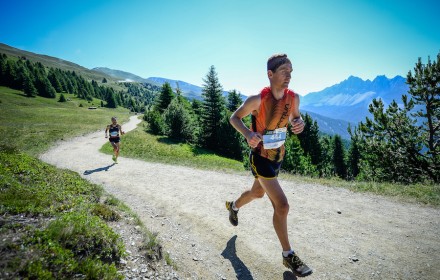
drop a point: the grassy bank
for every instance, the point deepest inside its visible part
(53, 223)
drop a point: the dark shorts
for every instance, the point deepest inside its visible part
(114, 140)
(262, 167)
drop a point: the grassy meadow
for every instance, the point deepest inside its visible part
(34, 124)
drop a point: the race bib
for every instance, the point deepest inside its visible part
(113, 133)
(274, 138)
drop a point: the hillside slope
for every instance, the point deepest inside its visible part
(54, 62)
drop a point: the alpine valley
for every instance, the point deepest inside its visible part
(334, 108)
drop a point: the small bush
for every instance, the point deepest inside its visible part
(62, 98)
(105, 212)
(152, 247)
(86, 235)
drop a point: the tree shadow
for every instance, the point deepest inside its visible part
(230, 253)
(105, 168)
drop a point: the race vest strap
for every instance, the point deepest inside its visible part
(273, 139)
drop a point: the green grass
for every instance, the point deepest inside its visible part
(53, 222)
(426, 194)
(66, 237)
(141, 145)
(34, 124)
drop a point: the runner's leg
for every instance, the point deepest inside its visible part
(281, 209)
(247, 196)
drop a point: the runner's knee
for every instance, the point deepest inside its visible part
(282, 209)
(258, 193)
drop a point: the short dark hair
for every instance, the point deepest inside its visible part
(276, 61)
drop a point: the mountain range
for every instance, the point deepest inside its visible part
(349, 99)
(188, 90)
(334, 108)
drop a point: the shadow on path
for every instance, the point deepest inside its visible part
(105, 168)
(230, 253)
(288, 275)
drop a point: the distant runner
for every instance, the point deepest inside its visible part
(272, 110)
(114, 130)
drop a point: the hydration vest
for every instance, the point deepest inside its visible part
(271, 121)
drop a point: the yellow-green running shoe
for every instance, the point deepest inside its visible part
(293, 262)
(233, 218)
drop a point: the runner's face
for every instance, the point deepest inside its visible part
(114, 121)
(281, 77)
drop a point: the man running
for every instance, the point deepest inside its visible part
(271, 111)
(114, 130)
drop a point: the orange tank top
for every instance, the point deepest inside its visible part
(272, 114)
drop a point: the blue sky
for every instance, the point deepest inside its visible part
(327, 41)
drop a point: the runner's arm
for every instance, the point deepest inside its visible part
(295, 118)
(251, 104)
(120, 129)
(106, 131)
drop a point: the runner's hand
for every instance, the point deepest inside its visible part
(253, 139)
(297, 126)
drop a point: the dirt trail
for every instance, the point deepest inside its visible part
(371, 238)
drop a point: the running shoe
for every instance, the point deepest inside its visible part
(293, 262)
(114, 158)
(233, 218)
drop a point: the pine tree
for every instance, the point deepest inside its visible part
(326, 166)
(232, 148)
(54, 80)
(339, 157)
(309, 139)
(62, 98)
(213, 108)
(401, 143)
(425, 92)
(234, 100)
(28, 87)
(111, 100)
(354, 155)
(178, 122)
(165, 97)
(295, 161)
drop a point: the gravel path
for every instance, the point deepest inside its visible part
(340, 234)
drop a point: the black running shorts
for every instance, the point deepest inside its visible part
(114, 139)
(263, 167)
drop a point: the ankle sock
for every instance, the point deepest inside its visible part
(286, 253)
(234, 207)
